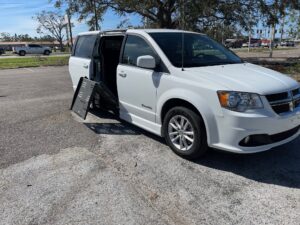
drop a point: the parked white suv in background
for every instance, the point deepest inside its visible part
(199, 97)
(32, 49)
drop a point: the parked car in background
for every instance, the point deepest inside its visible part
(254, 43)
(266, 43)
(32, 49)
(287, 43)
(2, 51)
(233, 43)
(202, 96)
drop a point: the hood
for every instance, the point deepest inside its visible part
(244, 77)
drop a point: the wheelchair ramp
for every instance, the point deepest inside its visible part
(84, 95)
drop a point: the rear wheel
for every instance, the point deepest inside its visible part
(185, 132)
(22, 53)
(46, 52)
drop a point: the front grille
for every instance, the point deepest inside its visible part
(281, 108)
(297, 103)
(285, 102)
(296, 92)
(277, 97)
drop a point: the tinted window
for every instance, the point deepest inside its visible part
(34, 46)
(199, 50)
(84, 46)
(135, 47)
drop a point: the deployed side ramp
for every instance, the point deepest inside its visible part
(85, 93)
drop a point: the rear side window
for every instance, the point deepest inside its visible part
(135, 47)
(84, 46)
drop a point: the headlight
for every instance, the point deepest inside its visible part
(239, 101)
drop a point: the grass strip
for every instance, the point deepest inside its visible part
(12, 63)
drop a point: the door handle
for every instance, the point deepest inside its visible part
(85, 66)
(122, 74)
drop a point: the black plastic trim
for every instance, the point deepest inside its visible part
(265, 139)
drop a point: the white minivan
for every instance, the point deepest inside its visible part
(189, 89)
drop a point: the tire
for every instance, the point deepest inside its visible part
(47, 52)
(22, 53)
(193, 124)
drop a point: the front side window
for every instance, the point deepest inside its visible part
(199, 50)
(84, 46)
(34, 46)
(134, 47)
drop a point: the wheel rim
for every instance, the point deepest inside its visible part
(181, 132)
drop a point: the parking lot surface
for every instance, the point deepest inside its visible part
(58, 169)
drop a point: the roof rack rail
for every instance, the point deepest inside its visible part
(116, 30)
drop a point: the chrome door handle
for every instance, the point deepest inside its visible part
(85, 66)
(122, 74)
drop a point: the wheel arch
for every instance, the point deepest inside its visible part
(171, 103)
(194, 102)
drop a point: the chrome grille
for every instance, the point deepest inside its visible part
(285, 102)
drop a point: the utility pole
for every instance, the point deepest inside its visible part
(272, 40)
(70, 27)
(95, 14)
(282, 28)
(67, 34)
(182, 15)
(250, 29)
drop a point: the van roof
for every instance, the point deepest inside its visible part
(138, 31)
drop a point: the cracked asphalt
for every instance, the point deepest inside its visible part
(58, 169)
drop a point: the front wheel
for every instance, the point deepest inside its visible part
(22, 53)
(47, 52)
(185, 132)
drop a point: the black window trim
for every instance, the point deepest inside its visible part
(34, 46)
(163, 66)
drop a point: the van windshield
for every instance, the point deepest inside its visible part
(199, 50)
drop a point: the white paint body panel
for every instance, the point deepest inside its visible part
(79, 67)
(137, 92)
(199, 87)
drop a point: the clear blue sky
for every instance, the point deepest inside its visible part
(16, 17)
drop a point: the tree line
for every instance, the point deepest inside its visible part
(217, 18)
(25, 37)
(198, 15)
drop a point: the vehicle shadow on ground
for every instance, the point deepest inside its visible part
(111, 128)
(116, 127)
(279, 166)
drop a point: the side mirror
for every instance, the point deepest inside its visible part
(146, 61)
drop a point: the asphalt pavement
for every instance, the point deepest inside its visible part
(56, 168)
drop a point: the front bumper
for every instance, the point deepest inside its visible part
(234, 128)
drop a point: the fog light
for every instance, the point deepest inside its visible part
(255, 140)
